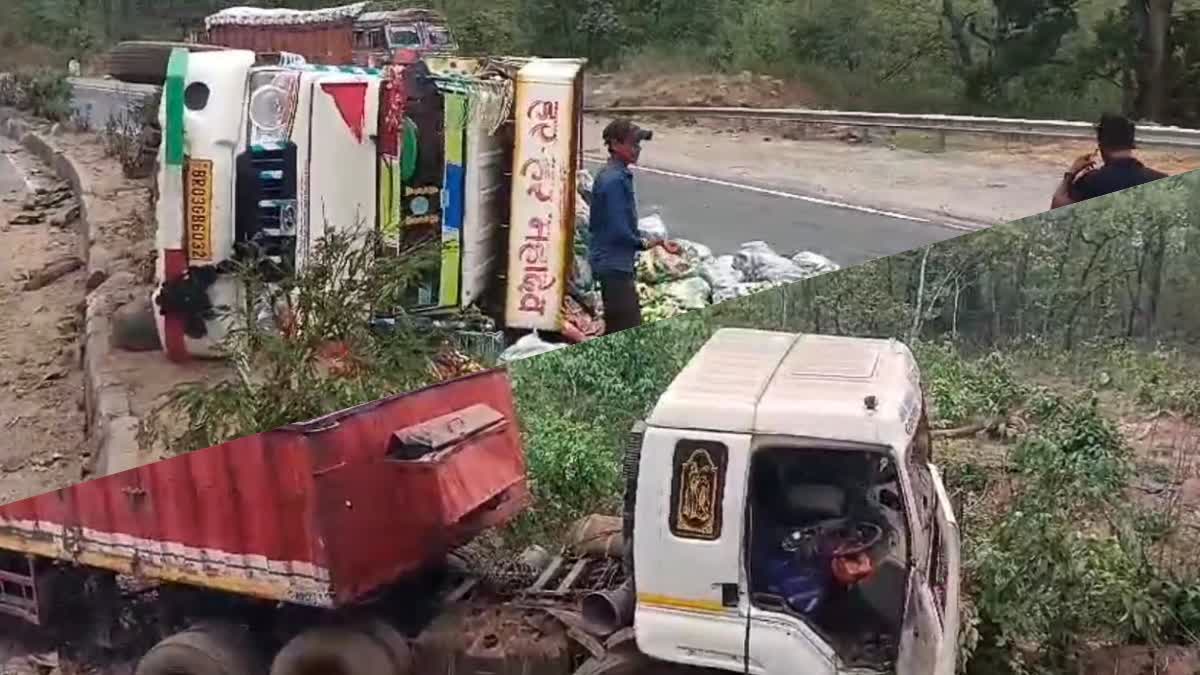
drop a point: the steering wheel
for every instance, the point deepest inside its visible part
(863, 538)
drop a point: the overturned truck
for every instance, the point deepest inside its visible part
(781, 515)
(478, 156)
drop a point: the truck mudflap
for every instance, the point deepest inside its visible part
(319, 514)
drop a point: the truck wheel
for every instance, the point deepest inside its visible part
(208, 650)
(334, 650)
(395, 643)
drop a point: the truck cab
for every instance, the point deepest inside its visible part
(379, 36)
(786, 501)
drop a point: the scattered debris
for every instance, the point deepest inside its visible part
(95, 279)
(27, 218)
(51, 272)
(65, 216)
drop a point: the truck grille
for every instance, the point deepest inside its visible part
(266, 214)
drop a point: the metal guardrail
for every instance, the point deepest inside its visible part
(1147, 134)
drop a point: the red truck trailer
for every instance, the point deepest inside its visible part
(390, 486)
(321, 518)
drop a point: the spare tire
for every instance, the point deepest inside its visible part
(337, 650)
(203, 650)
(146, 62)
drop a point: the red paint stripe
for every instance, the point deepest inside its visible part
(174, 264)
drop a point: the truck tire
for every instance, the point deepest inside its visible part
(335, 650)
(204, 650)
(145, 62)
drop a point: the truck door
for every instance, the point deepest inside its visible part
(688, 526)
(929, 639)
(945, 570)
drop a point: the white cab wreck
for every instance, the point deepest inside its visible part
(786, 500)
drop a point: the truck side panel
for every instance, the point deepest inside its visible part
(327, 43)
(266, 515)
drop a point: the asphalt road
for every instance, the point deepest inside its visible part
(719, 214)
(723, 216)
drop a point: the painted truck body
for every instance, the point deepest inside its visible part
(307, 514)
(271, 156)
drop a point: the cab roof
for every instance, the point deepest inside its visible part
(811, 386)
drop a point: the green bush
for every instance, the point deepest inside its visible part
(282, 376)
(962, 391)
(44, 93)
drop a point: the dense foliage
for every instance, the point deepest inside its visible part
(989, 55)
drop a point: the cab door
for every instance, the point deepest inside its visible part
(929, 637)
(945, 571)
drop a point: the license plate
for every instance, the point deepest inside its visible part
(199, 209)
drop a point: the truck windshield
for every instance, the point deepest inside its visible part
(828, 544)
(403, 37)
(438, 36)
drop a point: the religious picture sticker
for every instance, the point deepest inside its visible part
(698, 489)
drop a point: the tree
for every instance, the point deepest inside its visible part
(1021, 36)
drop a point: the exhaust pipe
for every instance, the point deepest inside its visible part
(606, 612)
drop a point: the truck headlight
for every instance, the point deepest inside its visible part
(272, 107)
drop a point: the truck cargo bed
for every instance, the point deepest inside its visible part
(320, 513)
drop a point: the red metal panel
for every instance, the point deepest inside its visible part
(331, 44)
(266, 515)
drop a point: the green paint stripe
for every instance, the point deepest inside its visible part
(177, 69)
(451, 266)
(455, 127)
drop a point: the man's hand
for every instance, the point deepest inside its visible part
(1085, 163)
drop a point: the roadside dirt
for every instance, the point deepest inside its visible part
(910, 172)
(42, 423)
(45, 442)
(121, 213)
(742, 90)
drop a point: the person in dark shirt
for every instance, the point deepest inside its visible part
(615, 240)
(1084, 180)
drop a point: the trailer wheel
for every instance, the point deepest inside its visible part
(334, 650)
(207, 650)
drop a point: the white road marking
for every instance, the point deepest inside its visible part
(790, 195)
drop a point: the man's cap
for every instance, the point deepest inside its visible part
(620, 130)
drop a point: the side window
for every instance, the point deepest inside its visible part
(698, 489)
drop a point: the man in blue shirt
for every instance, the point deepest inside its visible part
(615, 240)
(1121, 170)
